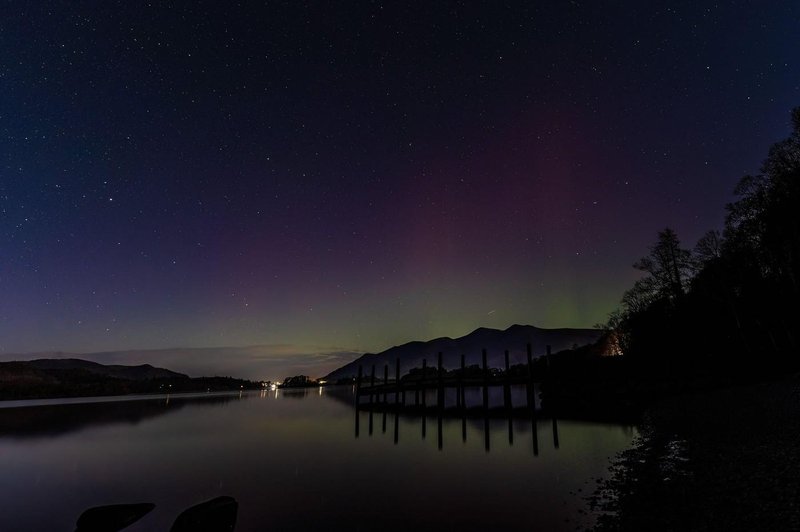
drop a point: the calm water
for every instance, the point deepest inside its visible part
(293, 461)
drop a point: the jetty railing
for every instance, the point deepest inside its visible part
(438, 380)
(441, 380)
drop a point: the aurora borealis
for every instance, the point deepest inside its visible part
(357, 175)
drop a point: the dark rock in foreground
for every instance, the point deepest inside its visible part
(113, 517)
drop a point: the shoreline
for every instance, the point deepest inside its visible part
(54, 401)
(723, 459)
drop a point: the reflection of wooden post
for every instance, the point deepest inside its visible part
(371, 396)
(485, 402)
(424, 399)
(370, 420)
(439, 429)
(531, 389)
(507, 393)
(555, 431)
(439, 399)
(396, 426)
(358, 392)
(463, 397)
(486, 443)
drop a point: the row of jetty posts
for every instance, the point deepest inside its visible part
(380, 393)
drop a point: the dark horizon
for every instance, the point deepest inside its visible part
(255, 362)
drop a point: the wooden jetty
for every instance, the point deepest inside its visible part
(441, 384)
(390, 396)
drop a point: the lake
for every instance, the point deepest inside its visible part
(296, 460)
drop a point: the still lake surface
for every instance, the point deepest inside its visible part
(293, 461)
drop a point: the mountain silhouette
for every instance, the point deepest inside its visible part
(140, 372)
(495, 341)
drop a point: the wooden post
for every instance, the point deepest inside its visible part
(397, 383)
(440, 383)
(530, 390)
(549, 366)
(372, 385)
(424, 378)
(358, 383)
(507, 385)
(485, 382)
(551, 378)
(460, 386)
(385, 380)
(358, 392)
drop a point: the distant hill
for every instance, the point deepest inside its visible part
(495, 341)
(72, 377)
(140, 372)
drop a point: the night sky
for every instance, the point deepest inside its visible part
(349, 176)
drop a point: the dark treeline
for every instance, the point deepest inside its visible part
(729, 306)
(18, 380)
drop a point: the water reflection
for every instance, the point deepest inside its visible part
(61, 419)
(484, 419)
(291, 461)
(487, 425)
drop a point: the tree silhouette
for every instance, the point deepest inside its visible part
(733, 300)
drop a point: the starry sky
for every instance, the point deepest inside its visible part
(347, 176)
